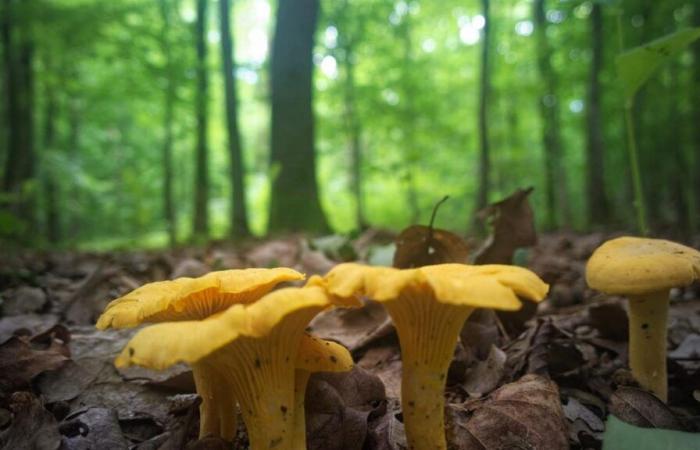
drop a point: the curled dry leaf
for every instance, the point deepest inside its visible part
(33, 427)
(338, 407)
(353, 328)
(486, 375)
(523, 414)
(20, 361)
(642, 409)
(420, 245)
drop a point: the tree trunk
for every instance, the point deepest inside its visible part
(201, 187)
(355, 134)
(239, 211)
(19, 164)
(595, 180)
(294, 202)
(484, 168)
(555, 179)
(52, 218)
(168, 110)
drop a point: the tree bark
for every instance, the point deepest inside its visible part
(294, 202)
(484, 168)
(52, 216)
(168, 113)
(201, 195)
(239, 211)
(558, 212)
(19, 77)
(598, 209)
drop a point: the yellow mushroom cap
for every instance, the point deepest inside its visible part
(486, 286)
(192, 298)
(632, 265)
(318, 355)
(162, 345)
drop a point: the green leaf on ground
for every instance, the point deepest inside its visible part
(620, 435)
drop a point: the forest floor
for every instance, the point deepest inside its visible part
(556, 377)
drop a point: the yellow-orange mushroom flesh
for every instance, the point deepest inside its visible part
(192, 298)
(429, 306)
(252, 347)
(644, 270)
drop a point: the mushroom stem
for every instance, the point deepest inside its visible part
(301, 379)
(647, 345)
(427, 335)
(261, 376)
(217, 412)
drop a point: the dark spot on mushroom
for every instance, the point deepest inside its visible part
(442, 376)
(274, 442)
(422, 387)
(283, 409)
(645, 326)
(257, 363)
(327, 344)
(131, 351)
(286, 359)
(412, 404)
(334, 359)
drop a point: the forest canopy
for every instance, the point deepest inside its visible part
(153, 121)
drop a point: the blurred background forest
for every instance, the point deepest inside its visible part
(148, 122)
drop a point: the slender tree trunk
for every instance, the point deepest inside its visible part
(168, 110)
(410, 112)
(239, 211)
(20, 161)
(52, 218)
(355, 133)
(201, 187)
(484, 171)
(294, 202)
(555, 179)
(595, 180)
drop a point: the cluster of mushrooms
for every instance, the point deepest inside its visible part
(248, 349)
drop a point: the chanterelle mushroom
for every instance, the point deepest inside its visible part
(194, 299)
(253, 347)
(644, 270)
(429, 306)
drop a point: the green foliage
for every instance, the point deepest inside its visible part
(635, 66)
(620, 435)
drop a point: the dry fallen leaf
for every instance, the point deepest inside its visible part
(338, 407)
(20, 362)
(525, 414)
(32, 428)
(353, 328)
(642, 409)
(92, 428)
(420, 245)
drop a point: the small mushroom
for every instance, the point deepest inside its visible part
(314, 355)
(251, 348)
(429, 306)
(644, 270)
(185, 299)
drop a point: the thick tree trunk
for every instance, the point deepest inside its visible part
(484, 171)
(595, 180)
(201, 187)
(168, 112)
(239, 211)
(558, 212)
(294, 202)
